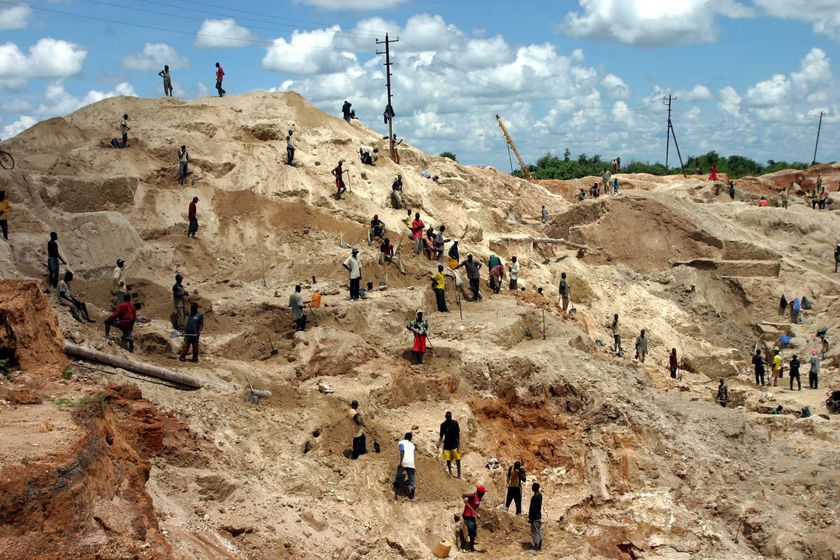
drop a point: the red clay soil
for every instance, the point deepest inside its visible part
(87, 498)
(29, 328)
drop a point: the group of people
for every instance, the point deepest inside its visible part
(449, 445)
(124, 307)
(776, 364)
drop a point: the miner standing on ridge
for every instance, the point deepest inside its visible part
(290, 148)
(179, 300)
(641, 346)
(420, 328)
(118, 285)
(450, 441)
(354, 267)
(183, 163)
(167, 81)
(124, 128)
(564, 292)
(535, 516)
(473, 268)
(192, 216)
(359, 447)
(338, 173)
(53, 258)
(296, 303)
(192, 332)
(220, 76)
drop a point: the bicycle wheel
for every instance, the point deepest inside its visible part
(6, 160)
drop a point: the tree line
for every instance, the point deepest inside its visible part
(551, 166)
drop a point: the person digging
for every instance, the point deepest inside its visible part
(471, 504)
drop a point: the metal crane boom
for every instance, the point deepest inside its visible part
(525, 170)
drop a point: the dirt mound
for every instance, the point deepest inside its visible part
(85, 497)
(29, 335)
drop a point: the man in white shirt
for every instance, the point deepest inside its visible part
(118, 286)
(514, 272)
(406, 465)
(353, 265)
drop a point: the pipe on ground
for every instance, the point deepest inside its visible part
(131, 365)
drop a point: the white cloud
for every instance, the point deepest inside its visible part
(651, 22)
(58, 101)
(154, 57)
(824, 14)
(18, 126)
(814, 69)
(730, 101)
(222, 33)
(697, 93)
(308, 52)
(615, 87)
(769, 92)
(15, 17)
(358, 5)
(48, 58)
(622, 114)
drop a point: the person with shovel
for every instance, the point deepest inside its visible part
(338, 173)
(420, 328)
(471, 504)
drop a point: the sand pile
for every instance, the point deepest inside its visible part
(633, 464)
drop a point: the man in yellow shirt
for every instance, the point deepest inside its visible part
(777, 367)
(5, 211)
(439, 286)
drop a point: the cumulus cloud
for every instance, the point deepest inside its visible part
(824, 14)
(651, 22)
(308, 52)
(730, 101)
(58, 101)
(354, 5)
(697, 93)
(223, 33)
(15, 17)
(48, 58)
(769, 92)
(154, 57)
(15, 128)
(813, 70)
(615, 87)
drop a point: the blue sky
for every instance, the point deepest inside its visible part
(751, 75)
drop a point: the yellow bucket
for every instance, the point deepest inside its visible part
(442, 549)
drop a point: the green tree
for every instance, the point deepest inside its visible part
(449, 155)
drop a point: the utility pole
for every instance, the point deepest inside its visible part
(670, 132)
(387, 42)
(817, 145)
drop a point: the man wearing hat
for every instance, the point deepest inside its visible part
(471, 503)
(353, 265)
(420, 328)
(193, 217)
(118, 287)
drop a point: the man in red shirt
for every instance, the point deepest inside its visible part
(123, 318)
(471, 503)
(417, 227)
(192, 215)
(220, 75)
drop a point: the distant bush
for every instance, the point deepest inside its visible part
(449, 155)
(553, 167)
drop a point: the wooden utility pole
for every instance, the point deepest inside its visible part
(670, 133)
(387, 42)
(817, 145)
